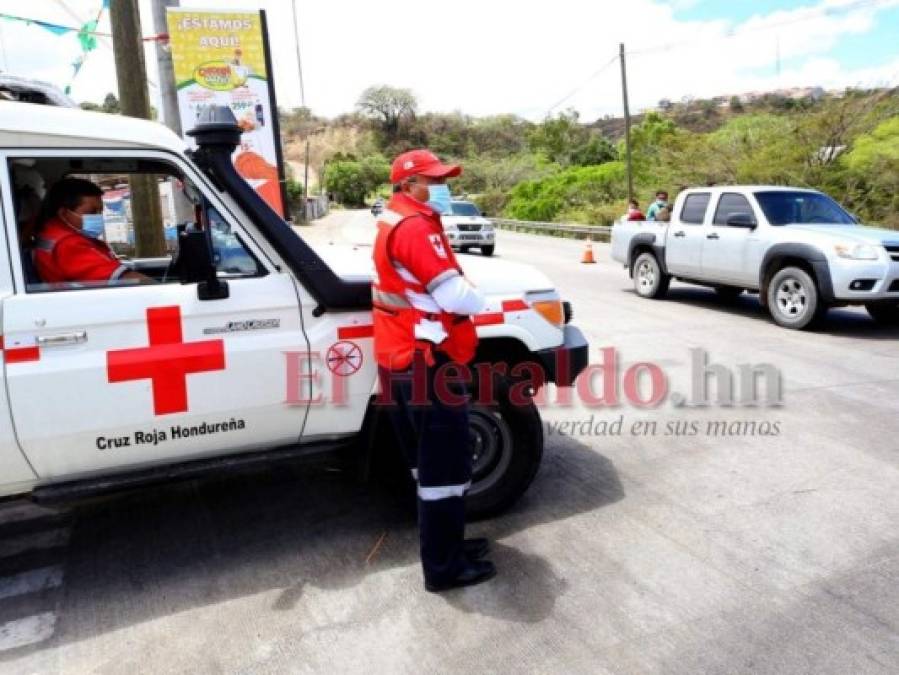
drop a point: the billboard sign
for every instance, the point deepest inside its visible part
(222, 58)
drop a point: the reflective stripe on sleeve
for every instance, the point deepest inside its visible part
(120, 270)
(436, 493)
(440, 278)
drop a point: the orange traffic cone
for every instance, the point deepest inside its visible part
(588, 254)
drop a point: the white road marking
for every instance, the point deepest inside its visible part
(32, 581)
(34, 541)
(27, 631)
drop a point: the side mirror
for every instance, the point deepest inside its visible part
(740, 219)
(194, 264)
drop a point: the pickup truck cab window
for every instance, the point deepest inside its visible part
(786, 207)
(694, 208)
(730, 204)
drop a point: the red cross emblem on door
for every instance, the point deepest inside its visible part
(167, 361)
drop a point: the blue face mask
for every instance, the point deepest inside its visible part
(439, 198)
(92, 225)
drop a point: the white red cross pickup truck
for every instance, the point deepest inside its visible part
(248, 347)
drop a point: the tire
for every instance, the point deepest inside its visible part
(793, 299)
(464, 249)
(488, 250)
(886, 314)
(649, 280)
(728, 293)
(507, 444)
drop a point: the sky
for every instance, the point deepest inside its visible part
(527, 57)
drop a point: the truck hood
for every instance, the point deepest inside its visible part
(493, 276)
(854, 233)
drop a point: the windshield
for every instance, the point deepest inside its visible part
(782, 207)
(465, 209)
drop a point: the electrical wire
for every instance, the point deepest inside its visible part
(582, 85)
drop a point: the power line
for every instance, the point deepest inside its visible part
(582, 85)
(296, 40)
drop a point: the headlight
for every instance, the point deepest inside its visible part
(857, 251)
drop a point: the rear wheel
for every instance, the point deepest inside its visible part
(886, 314)
(488, 250)
(793, 299)
(649, 280)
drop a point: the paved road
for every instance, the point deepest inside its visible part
(632, 553)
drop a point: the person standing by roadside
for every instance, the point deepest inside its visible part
(633, 211)
(660, 203)
(422, 304)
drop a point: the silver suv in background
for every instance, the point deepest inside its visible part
(466, 228)
(798, 249)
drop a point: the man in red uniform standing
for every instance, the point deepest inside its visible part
(423, 333)
(66, 246)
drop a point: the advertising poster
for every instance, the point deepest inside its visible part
(219, 58)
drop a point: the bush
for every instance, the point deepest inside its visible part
(568, 191)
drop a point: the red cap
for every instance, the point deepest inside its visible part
(421, 163)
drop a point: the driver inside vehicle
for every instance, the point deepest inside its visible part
(67, 244)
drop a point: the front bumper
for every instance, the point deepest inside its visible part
(471, 238)
(880, 281)
(564, 363)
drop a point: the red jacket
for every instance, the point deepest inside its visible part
(62, 253)
(412, 256)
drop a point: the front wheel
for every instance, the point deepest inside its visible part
(886, 314)
(506, 446)
(488, 250)
(464, 249)
(793, 299)
(649, 280)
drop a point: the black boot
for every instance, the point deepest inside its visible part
(472, 572)
(476, 548)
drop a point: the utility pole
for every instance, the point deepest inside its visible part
(131, 73)
(627, 126)
(296, 40)
(184, 212)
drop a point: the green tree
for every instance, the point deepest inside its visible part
(351, 181)
(564, 140)
(389, 107)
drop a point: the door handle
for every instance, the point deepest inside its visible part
(62, 339)
(680, 233)
(714, 235)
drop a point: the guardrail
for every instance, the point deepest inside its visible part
(591, 232)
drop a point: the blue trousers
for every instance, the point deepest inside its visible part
(433, 436)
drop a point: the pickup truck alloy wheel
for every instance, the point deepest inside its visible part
(793, 298)
(649, 280)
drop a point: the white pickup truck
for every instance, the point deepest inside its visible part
(249, 348)
(798, 249)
